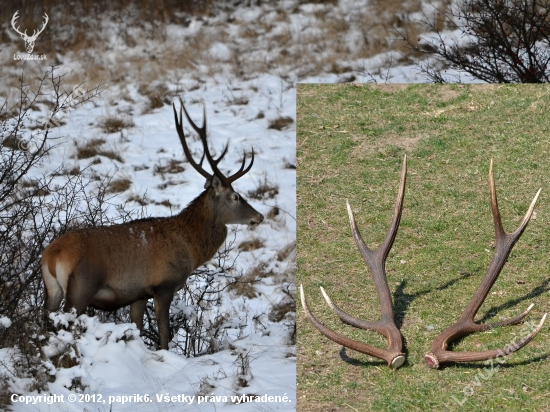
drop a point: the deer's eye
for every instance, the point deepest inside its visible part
(235, 197)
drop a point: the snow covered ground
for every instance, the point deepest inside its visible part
(260, 358)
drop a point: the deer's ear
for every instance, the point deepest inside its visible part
(215, 183)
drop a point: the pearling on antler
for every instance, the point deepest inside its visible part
(504, 242)
(375, 260)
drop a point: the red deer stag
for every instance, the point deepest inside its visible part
(375, 260)
(109, 267)
(504, 242)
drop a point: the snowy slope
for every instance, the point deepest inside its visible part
(113, 359)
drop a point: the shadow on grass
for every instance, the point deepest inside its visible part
(539, 290)
(402, 300)
(356, 362)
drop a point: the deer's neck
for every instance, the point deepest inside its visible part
(203, 229)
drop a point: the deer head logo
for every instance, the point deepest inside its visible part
(29, 40)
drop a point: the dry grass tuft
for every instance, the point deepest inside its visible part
(279, 310)
(68, 358)
(74, 171)
(119, 185)
(205, 387)
(167, 204)
(286, 251)
(273, 212)
(252, 244)
(12, 142)
(280, 123)
(173, 166)
(157, 93)
(114, 124)
(140, 200)
(34, 188)
(93, 148)
(244, 285)
(264, 190)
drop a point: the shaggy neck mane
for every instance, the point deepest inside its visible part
(201, 223)
(198, 210)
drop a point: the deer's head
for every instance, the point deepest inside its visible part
(230, 206)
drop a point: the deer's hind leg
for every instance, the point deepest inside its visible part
(83, 285)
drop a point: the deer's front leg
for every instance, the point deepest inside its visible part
(137, 310)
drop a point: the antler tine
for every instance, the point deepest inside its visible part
(504, 242)
(396, 219)
(434, 360)
(202, 134)
(200, 130)
(241, 172)
(179, 128)
(375, 260)
(224, 151)
(393, 361)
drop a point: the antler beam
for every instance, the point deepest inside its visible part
(375, 260)
(504, 242)
(213, 162)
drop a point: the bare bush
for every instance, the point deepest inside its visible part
(506, 41)
(32, 215)
(35, 208)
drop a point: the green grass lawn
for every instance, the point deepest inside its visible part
(350, 145)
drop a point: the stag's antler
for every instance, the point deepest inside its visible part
(227, 180)
(375, 260)
(504, 242)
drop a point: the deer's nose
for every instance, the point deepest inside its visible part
(257, 220)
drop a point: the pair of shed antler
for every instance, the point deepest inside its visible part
(375, 259)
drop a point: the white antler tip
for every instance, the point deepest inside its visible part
(538, 193)
(326, 297)
(529, 308)
(302, 296)
(350, 215)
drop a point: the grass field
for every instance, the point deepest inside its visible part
(351, 140)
